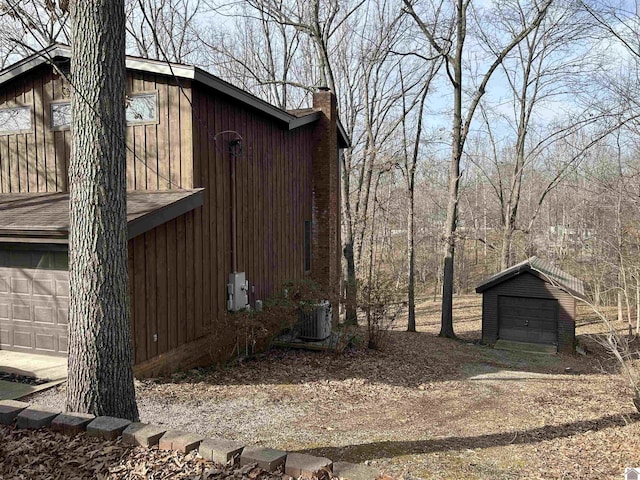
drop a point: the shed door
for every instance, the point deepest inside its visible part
(533, 320)
(34, 300)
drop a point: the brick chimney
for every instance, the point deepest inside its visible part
(325, 240)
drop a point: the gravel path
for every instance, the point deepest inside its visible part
(228, 417)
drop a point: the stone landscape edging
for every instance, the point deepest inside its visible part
(146, 435)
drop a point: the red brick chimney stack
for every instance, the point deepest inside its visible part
(326, 229)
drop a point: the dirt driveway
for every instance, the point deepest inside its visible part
(425, 407)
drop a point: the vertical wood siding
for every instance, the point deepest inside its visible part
(162, 307)
(273, 185)
(528, 285)
(159, 155)
(34, 161)
(178, 271)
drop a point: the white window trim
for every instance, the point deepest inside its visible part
(153, 121)
(22, 131)
(60, 127)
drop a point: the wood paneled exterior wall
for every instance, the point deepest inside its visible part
(273, 190)
(36, 161)
(159, 154)
(178, 271)
(181, 268)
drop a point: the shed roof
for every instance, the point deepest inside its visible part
(40, 217)
(179, 71)
(541, 269)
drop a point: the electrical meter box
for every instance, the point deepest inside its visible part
(237, 292)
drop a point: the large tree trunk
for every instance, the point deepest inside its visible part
(351, 286)
(457, 139)
(446, 324)
(100, 358)
(411, 326)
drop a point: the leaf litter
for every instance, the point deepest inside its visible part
(423, 407)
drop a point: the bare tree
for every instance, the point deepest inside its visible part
(261, 55)
(164, 30)
(545, 66)
(27, 26)
(411, 155)
(448, 39)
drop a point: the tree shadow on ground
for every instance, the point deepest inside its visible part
(390, 449)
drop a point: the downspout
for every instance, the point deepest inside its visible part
(234, 145)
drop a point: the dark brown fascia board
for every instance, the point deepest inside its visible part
(240, 95)
(298, 122)
(506, 275)
(151, 220)
(42, 235)
(343, 138)
(35, 232)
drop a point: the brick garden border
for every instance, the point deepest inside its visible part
(146, 435)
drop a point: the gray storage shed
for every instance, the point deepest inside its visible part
(532, 302)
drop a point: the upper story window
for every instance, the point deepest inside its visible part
(15, 120)
(60, 115)
(141, 108)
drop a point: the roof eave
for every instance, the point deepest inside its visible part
(298, 122)
(498, 279)
(240, 95)
(151, 220)
(34, 239)
(33, 61)
(136, 226)
(527, 268)
(343, 139)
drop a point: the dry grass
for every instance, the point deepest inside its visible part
(425, 407)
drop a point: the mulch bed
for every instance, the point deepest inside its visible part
(46, 455)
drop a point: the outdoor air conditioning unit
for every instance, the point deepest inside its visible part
(314, 321)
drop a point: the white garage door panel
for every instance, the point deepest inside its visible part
(34, 310)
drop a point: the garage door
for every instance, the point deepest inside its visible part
(34, 300)
(533, 320)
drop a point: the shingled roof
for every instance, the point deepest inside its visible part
(541, 269)
(46, 215)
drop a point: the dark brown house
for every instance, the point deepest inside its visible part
(229, 198)
(532, 302)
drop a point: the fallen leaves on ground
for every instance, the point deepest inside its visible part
(424, 407)
(43, 454)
